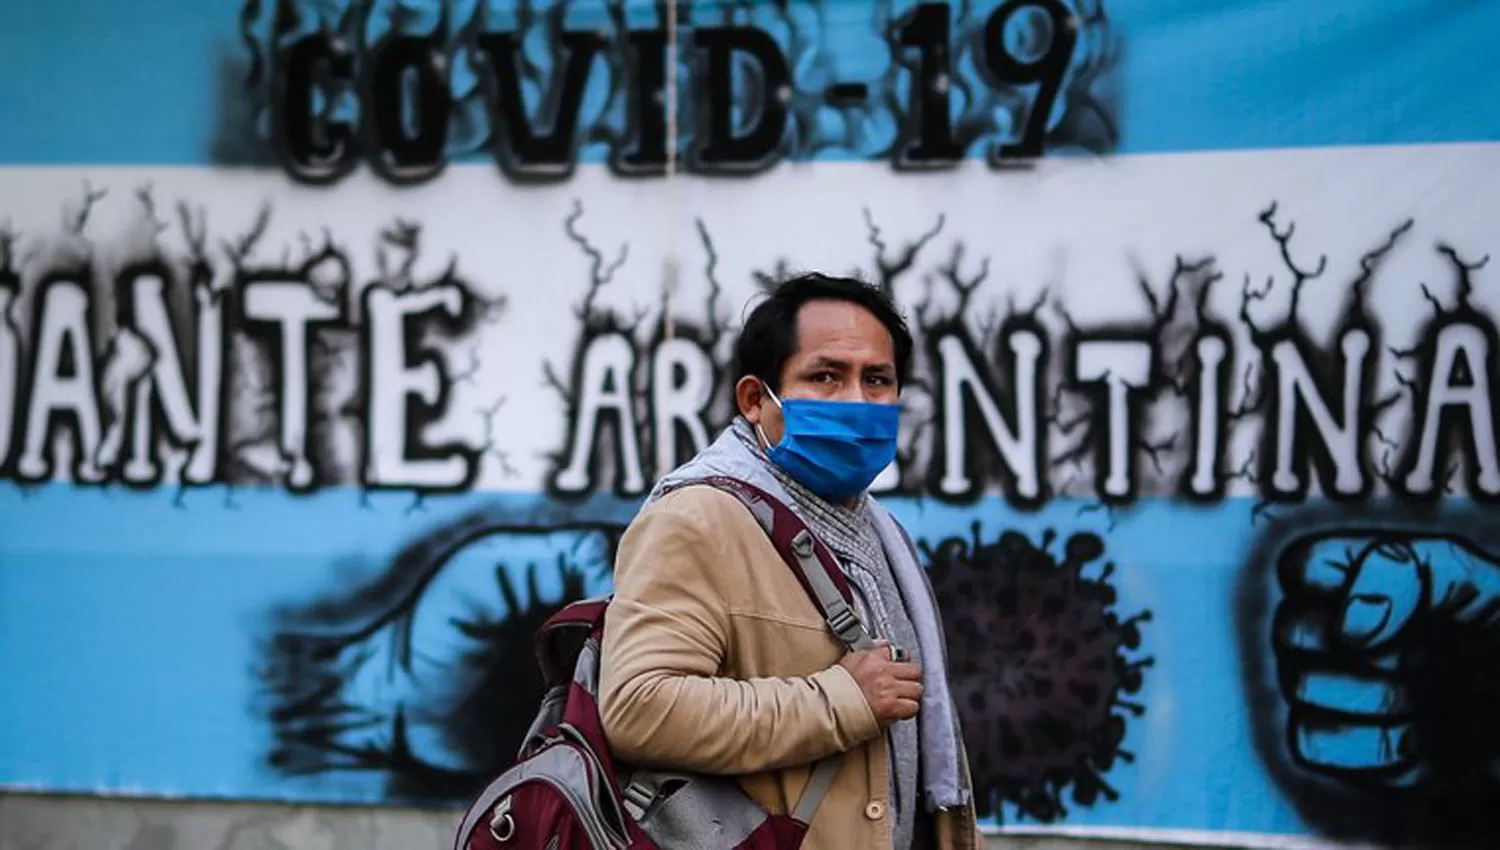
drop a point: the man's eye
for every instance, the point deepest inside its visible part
(879, 380)
(825, 377)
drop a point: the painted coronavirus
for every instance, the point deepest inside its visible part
(1042, 667)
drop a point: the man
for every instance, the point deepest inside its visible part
(716, 662)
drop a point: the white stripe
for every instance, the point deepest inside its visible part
(1076, 228)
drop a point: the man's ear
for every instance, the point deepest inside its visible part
(748, 394)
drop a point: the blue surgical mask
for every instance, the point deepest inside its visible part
(834, 448)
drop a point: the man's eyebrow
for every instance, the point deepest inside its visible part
(825, 362)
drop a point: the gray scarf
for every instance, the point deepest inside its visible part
(941, 744)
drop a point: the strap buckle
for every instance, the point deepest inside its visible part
(802, 544)
(638, 796)
(845, 623)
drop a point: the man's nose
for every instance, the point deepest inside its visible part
(855, 391)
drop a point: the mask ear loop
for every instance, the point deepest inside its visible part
(759, 431)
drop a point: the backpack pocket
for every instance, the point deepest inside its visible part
(692, 811)
(559, 798)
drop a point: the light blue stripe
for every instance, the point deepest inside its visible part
(95, 83)
(128, 629)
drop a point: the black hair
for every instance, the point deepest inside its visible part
(769, 337)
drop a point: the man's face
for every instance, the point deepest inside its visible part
(843, 353)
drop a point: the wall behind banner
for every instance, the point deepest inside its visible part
(341, 341)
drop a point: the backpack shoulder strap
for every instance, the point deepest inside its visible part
(808, 558)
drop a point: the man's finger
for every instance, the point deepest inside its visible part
(908, 690)
(1347, 692)
(906, 670)
(1334, 746)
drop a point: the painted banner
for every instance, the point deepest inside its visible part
(340, 340)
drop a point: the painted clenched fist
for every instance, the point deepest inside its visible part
(1367, 640)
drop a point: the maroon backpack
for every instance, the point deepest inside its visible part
(565, 792)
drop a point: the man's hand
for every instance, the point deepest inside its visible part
(892, 688)
(1346, 645)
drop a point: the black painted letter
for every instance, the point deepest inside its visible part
(646, 122)
(1003, 68)
(523, 152)
(927, 140)
(716, 149)
(312, 147)
(406, 104)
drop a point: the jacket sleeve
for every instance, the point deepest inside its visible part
(661, 700)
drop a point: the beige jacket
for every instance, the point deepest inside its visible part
(715, 661)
